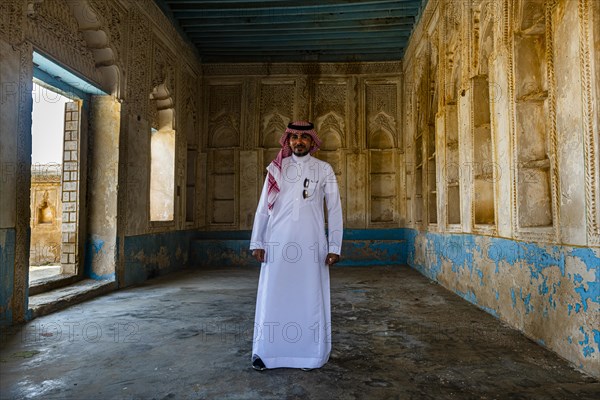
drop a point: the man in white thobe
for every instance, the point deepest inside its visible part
(292, 326)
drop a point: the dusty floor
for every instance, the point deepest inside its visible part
(188, 336)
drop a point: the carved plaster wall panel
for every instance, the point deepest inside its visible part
(277, 104)
(589, 47)
(224, 115)
(338, 107)
(139, 54)
(12, 13)
(381, 119)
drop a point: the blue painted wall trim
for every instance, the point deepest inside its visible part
(360, 247)
(7, 267)
(151, 255)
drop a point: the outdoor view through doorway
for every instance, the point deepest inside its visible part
(54, 181)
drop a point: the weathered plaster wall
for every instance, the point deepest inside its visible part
(515, 79)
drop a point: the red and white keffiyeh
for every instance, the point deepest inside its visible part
(274, 168)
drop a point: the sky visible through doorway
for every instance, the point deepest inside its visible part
(47, 125)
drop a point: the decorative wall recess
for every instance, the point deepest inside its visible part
(162, 155)
(532, 125)
(483, 165)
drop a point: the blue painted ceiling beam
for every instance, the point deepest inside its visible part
(244, 4)
(295, 57)
(363, 46)
(405, 23)
(267, 19)
(347, 36)
(195, 10)
(300, 30)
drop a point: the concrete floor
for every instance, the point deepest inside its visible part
(396, 335)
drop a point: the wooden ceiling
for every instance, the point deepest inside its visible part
(295, 31)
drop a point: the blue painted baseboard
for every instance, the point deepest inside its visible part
(361, 247)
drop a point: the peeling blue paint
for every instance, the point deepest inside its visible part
(592, 263)
(490, 311)
(95, 248)
(480, 274)
(596, 333)
(543, 288)
(526, 301)
(577, 308)
(584, 294)
(587, 349)
(469, 295)
(513, 297)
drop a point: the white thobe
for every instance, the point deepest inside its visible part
(292, 326)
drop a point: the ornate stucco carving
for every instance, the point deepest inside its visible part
(590, 139)
(331, 128)
(224, 115)
(553, 134)
(276, 98)
(11, 17)
(54, 29)
(392, 67)
(163, 66)
(163, 24)
(139, 54)
(381, 108)
(112, 16)
(329, 110)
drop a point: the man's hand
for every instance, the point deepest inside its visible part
(332, 259)
(259, 254)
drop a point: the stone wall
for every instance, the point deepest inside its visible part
(501, 123)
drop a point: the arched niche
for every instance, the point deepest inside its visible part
(330, 140)
(274, 126)
(330, 128)
(381, 139)
(224, 136)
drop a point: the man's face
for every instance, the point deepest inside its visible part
(300, 144)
